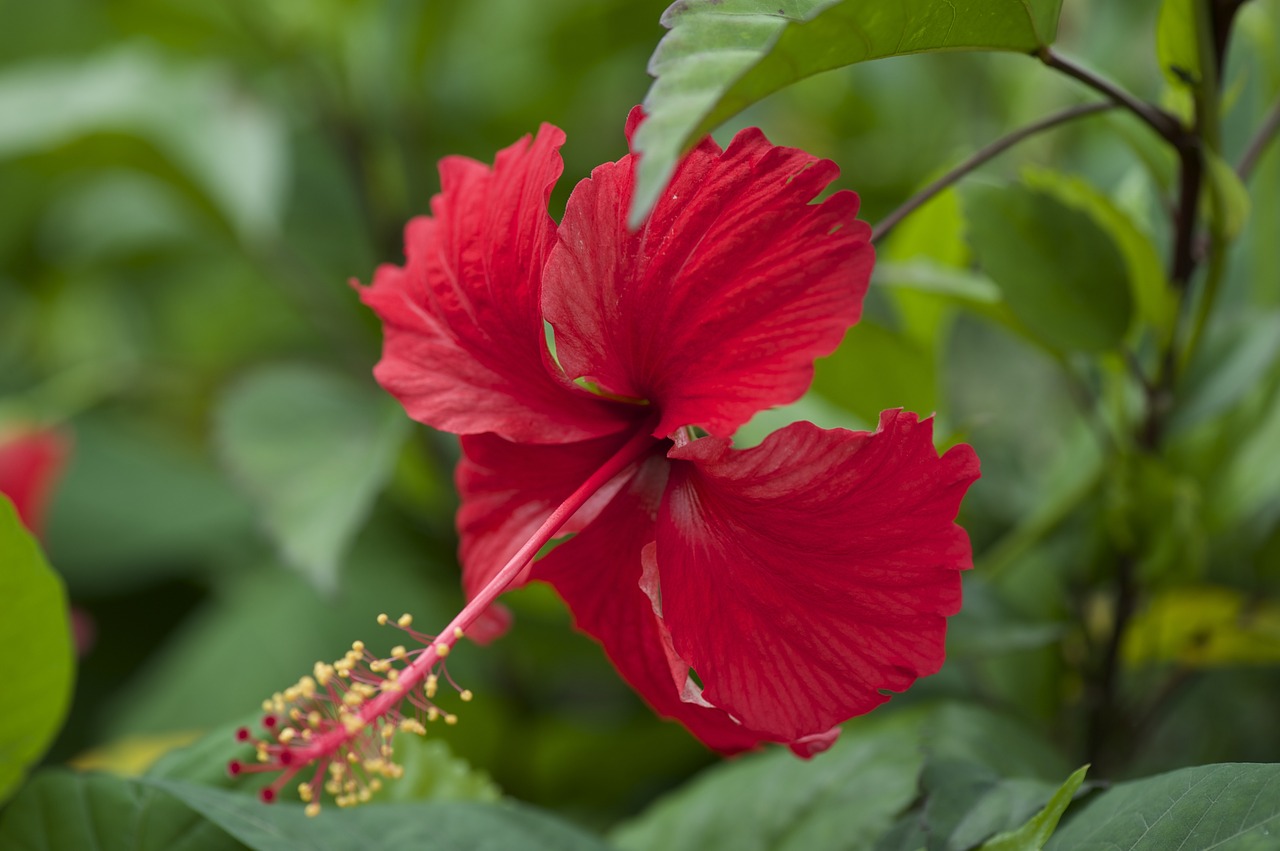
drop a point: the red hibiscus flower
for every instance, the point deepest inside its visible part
(764, 594)
(30, 461)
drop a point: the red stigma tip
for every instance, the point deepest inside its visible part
(270, 721)
(267, 796)
(242, 735)
(235, 767)
(285, 757)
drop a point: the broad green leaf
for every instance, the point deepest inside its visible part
(433, 773)
(721, 56)
(1152, 296)
(232, 148)
(1229, 807)
(1060, 272)
(433, 826)
(875, 369)
(311, 449)
(1035, 833)
(134, 507)
(846, 797)
(1204, 626)
(38, 667)
(67, 811)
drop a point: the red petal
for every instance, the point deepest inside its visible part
(464, 343)
(599, 574)
(29, 463)
(509, 489)
(718, 306)
(804, 577)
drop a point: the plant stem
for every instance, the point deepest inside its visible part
(1107, 716)
(1159, 120)
(1265, 135)
(989, 152)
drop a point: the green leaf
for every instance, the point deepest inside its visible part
(433, 773)
(721, 56)
(135, 506)
(846, 797)
(437, 826)
(905, 375)
(1035, 833)
(1152, 295)
(1228, 202)
(311, 449)
(232, 147)
(1231, 807)
(1060, 272)
(39, 666)
(67, 811)
(1176, 47)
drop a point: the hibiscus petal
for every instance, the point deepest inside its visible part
(509, 489)
(464, 345)
(599, 574)
(716, 308)
(804, 577)
(30, 461)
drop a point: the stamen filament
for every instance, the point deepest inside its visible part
(370, 703)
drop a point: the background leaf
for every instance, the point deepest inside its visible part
(1059, 271)
(312, 450)
(1233, 807)
(724, 55)
(428, 826)
(33, 619)
(68, 811)
(1035, 833)
(845, 797)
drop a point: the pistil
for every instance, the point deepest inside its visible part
(341, 720)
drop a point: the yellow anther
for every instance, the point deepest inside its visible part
(442, 650)
(387, 731)
(357, 646)
(466, 695)
(405, 620)
(411, 725)
(266, 705)
(375, 784)
(432, 685)
(352, 699)
(451, 719)
(379, 666)
(365, 795)
(305, 792)
(457, 632)
(287, 734)
(365, 689)
(353, 723)
(382, 619)
(292, 693)
(433, 714)
(313, 809)
(314, 718)
(393, 675)
(398, 652)
(261, 752)
(391, 687)
(307, 734)
(353, 759)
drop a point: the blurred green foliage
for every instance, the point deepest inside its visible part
(188, 190)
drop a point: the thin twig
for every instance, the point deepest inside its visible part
(1258, 144)
(1159, 120)
(992, 150)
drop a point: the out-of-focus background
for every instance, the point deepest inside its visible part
(187, 191)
